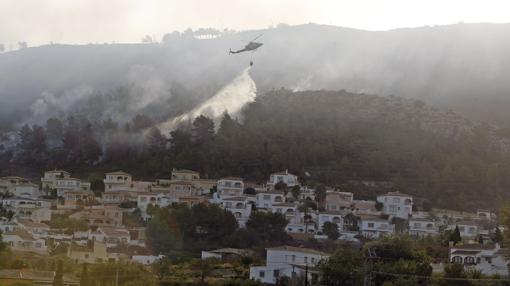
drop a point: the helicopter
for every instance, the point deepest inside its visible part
(251, 46)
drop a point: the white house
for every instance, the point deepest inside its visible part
(27, 190)
(488, 259)
(287, 209)
(239, 206)
(37, 229)
(15, 201)
(267, 199)
(7, 184)
(50, 178)
(70, 185)
(336, 201)
(423, 227)
(396, 204)
(21, 240)
(333, 217)
(287, 261)
(230, 187)
(184, 175)
(145, 199)
(112, 236)
(375, 226)
(6, 226)
(283, 177)
(301, 227)
(33, 213)
(146, 259)
(118, 181)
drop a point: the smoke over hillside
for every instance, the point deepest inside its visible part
(231, 98)
(462, 66)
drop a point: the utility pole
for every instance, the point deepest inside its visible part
(367, 266)
(117, 276)
(306, 274)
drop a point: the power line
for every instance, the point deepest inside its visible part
(440, 278)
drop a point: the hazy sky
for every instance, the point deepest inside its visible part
(84, 21)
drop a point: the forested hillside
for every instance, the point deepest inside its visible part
(335, 138)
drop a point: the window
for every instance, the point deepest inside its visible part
(266, 197)
(457, 259)
(472, 229)
(306, 259)
(370, 224)
(417, 225)
(469, 260)
(262, 274)
(461, 229)
(396, 200)
(276, 273)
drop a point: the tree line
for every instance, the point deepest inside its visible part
(324, 137)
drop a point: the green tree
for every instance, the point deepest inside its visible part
(161, 268)
(344, 267)
(331, 230)
(320, 195)
(455, 236)
(204, 268)
(498, 235)
(270, 227)
(455, 271)
(400, 255)
(296, 191)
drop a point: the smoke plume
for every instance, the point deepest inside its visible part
(231, 98)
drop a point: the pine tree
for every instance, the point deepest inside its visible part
(455, 236)
(498, 236)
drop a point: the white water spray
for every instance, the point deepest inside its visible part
(231, 98)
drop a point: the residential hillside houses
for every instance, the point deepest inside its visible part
(284, 177)
(290, 262)
(8, 184)
(396, 204)
(489, 259)
(108, 217)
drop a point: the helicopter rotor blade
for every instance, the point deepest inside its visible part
(257, 37)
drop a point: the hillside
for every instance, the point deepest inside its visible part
(333, 137)
(461, 66)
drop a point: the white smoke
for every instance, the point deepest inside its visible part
(147, 87)
(48, 105)
(231, 98)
